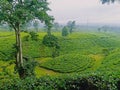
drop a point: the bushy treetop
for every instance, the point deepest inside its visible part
(21, 11)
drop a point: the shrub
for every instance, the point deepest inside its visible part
(105, 51)
(26, 38)
(65, 31)
(118, 85)
(90, 83)
(69, 63)
(34, 36)
(65, 83)
(2, 56)
(52, 41)
(29, 66)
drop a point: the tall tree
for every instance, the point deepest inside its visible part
(56, 25)
(18, 12)
(36, 25)
(71, 26)
(48, 27)
(26, 26)
(65, 31)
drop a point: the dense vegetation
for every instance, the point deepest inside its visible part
(69, 63)
(86, 61)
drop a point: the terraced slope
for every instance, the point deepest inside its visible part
(69, 63)
(79, 52)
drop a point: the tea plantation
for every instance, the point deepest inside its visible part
(86, 61)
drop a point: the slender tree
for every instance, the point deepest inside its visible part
(71, 26)
(65, 31)
(36, 25)
(48, 27)
(18, 12)
(56, 26)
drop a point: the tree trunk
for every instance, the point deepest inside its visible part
(17, 51)
(20, 49)
(49, 31)
(19, 56)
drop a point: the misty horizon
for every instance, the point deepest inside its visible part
(84, 11)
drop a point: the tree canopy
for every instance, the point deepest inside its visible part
(108, 1)
(71, 26)
(22, 11)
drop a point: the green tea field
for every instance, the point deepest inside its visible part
(80, 53)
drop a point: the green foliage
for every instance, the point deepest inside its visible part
(56, 26)
(69, 63)
(105, 51)
(74, 57)
(17, 13)
(118, 84)
(29, 66)
(107, 1)
(26, 38)
(71, 26)
(7, 71)
(83, 43)
(89, 82)
(6, 50)
(34, 36)
(36, 25)
(20, 12)
(3, 56)
(65, 31)
(50, 41)
(31, 36)
(111, 64)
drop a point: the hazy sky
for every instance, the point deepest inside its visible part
(83, 11)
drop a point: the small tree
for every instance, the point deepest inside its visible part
(49, 26)
(51, 41)
(65, 31)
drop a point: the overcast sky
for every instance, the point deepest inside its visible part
(83, 11)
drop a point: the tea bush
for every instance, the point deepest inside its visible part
(69, 63)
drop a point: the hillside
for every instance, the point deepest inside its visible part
(79, 53)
